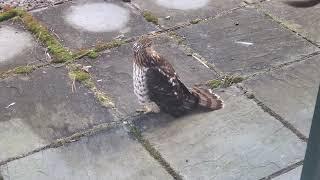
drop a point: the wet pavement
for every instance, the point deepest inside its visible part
(55, 124)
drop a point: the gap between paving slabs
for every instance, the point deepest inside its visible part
(285, 24)
(66, 140)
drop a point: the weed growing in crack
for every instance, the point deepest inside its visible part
(224, 82)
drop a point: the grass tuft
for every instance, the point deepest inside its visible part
(92, 54)
(23, 69)
(195, 21)
(79, 75)
(224, 82)
(150, 17)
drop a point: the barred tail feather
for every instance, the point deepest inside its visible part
(207, 99)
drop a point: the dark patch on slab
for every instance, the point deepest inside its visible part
(184, 13)
(255, 44)
(290, 91)
(30, 53)
(113, 71)
(77, 38)
(111, 153)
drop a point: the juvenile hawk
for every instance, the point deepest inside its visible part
(156, 82)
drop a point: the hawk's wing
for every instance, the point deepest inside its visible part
(165, 87)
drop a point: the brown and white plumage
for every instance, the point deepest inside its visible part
(155, 81)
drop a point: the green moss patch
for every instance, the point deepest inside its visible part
(76, 73)
(195, 21)
(79, 75)
(93, 54)
(23, 69)
(150, 17)
(42, 33)
(109, 45)
(7, 15)
(224, 82)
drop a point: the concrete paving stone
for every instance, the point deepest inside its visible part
(291, 175)
(302, 20)
(83, 23)
(113, 71)
(39, 108)
(245, 42)
(108, 155)
(239, 142)
(181, 11)
(18, 47)
(291, 91)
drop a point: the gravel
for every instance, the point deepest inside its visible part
(30, 4)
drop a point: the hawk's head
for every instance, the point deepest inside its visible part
(142, 43)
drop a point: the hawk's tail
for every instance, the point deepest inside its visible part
(207, 99)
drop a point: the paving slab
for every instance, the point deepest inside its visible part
(291, 91)
(239, 142)
(181, 11)
(108, 155)
(18, 47)
(84, 23)
(39, 108)
(302, 20)
(245, 42)
(113, 71)
(291, 175)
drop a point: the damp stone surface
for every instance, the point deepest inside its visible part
(182, 4)
(13, 42)
(98, 17)
(176, 12)
(83, 24)
(18, 47)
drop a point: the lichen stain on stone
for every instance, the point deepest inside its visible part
(182, 4)
(98, 17)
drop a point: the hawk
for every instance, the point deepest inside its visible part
(158, 87)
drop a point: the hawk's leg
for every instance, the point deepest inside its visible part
(149, 107)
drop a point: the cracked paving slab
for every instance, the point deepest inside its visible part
(245, 42)
(83, 23)
(291, 175)
(111, 154)
(290, 91)
(181, 11)
(113, 71)
(239, 142)
(302, 20)
(38, 108)
(18, 47)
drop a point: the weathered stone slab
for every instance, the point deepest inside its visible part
(239, 142)
(39, 108)
(245, 42)
(302, 20)
(83, 23)
(107, 155)
(291, 175)
(291, 92)
(181, 11)
(113, 71)
(18, 47)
